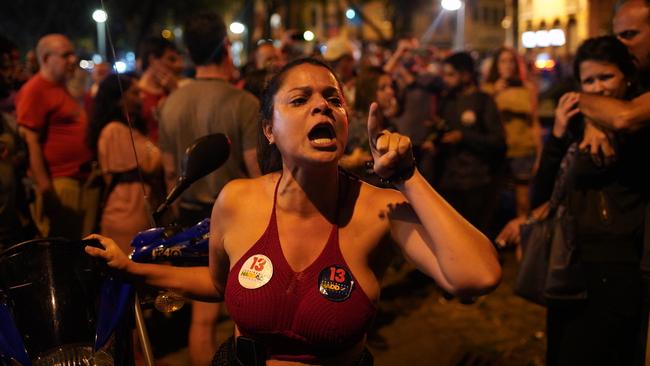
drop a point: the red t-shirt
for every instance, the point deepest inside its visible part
(150, 102)
(47, 108)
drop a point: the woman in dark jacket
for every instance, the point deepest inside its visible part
(605, 201)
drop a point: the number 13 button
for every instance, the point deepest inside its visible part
(335, 283)
(255, 272)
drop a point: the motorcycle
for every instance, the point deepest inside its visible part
(59, 306)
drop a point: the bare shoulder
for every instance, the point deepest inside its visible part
(241, 213)
(241, 195)
(114, 128)
(642, 98)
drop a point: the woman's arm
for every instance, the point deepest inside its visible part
(443, 244)
(149, 156)
(544, 180)
(616, 114)
(403, 46)
(554, 149)
(222, 212)
(191, 282)
(430, 232)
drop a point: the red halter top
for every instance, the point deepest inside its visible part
(298, 316)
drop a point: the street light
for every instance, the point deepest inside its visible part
(237, 27)
(459, 7)
(451, 5)
(308, 35)
(100, 17)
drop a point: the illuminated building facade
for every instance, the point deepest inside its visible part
(560, 26)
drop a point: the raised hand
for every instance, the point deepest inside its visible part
(452, 137)
(500, 85)
(567, 107)
(392, 153)
(112, 254)
(599, 145)
(510, 234)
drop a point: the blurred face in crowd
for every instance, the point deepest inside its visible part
(267, 57)
(421, 58)
(57, 58)
(345, 68)
(100, 72)
(454, 80)
(309, 122)
(386, 95)
(603, 78)
(506, 65)
(171, 60)
(131, 101)
(632, 27)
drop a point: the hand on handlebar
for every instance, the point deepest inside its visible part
(112, 254)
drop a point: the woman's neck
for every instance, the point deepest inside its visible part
(308, 192)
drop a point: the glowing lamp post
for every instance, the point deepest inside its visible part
(100, 17)
(459, 8)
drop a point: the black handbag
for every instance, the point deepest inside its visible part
(550, 270)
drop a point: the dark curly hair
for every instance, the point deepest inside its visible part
(607, 49)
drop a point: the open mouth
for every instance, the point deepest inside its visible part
(322, 134)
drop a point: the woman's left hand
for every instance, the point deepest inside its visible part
(392, 153)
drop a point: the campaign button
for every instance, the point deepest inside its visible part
(256, 272)
(335, 283)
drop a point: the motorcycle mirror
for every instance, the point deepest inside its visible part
(204, 156)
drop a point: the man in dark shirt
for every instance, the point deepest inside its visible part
(470, 155)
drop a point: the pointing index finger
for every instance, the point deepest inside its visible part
(374, 129)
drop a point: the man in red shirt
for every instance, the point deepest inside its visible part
(54, 126)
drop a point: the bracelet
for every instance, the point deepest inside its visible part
(400, 176)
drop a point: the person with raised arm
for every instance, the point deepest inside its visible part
(299, 253)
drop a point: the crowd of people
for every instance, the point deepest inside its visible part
(338, 161)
